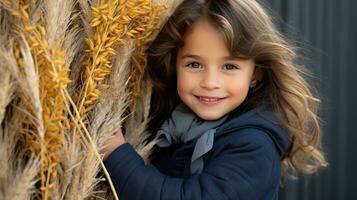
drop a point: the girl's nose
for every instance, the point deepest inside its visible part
(210, 80)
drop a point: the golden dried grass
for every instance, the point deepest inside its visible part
(47, 40)
(17, 177)
(52, 78)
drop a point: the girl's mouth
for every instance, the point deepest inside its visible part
(209, 100)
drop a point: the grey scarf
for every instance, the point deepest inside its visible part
(184, 126)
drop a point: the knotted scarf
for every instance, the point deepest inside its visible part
(184, 126)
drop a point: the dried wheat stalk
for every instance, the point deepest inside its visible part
(47, 42)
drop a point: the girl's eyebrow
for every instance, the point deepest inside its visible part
(190, 56)
(198, 57)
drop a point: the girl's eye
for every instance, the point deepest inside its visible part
(193, 65)
(230, 67)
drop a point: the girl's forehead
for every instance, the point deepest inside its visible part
(202, 36)
(207, 34)
(201, 25)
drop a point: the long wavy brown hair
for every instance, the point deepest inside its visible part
(250, 34)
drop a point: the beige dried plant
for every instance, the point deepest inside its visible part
(53, 78)
(17, 177)
(54, 51)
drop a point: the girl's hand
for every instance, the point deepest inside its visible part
(112, 143)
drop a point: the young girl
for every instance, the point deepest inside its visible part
(230, 108)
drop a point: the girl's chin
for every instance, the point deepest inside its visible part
(209, 115)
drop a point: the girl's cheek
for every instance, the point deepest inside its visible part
(186, 83)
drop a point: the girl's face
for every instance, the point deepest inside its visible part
(209, 81)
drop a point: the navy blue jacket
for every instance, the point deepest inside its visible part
(244, 164)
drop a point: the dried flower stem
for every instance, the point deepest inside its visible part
(149, 24)
(90, 140)
(53, 77)
(116, 23)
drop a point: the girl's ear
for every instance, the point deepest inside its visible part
(257, 76)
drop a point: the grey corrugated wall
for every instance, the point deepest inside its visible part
(327, 31)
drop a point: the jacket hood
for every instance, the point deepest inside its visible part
(260, 118)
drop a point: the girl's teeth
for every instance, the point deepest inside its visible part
(209, 99)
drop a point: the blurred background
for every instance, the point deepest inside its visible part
(326, 31)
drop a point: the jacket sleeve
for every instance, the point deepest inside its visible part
(246, 166)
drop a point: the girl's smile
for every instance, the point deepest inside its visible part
(209, 80)
(210, 101)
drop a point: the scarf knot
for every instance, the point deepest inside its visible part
(184, 126)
